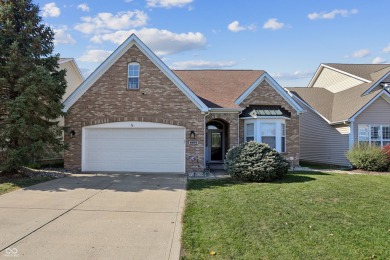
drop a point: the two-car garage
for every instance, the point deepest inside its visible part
(133, 147)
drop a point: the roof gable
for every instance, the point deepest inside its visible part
(283, 93)
(126, 45)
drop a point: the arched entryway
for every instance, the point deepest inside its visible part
(216, 140)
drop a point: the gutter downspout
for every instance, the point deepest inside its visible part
(351, 134)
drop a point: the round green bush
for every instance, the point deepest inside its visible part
(369, 158)
(257, 162)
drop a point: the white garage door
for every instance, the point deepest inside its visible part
(155, 148)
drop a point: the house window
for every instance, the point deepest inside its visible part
(386, 134)
(269, 131)
(268, 134)
(378, 135)
(133, 76)
(250, 132)
(283, 138)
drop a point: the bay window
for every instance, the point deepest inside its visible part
(268, 131)
(378, 135)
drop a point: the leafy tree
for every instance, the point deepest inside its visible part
(31, 86)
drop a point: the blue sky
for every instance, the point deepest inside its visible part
(287, 38)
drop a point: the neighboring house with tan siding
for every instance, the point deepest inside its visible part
(346, 104)
(73, 77)
(135, 114)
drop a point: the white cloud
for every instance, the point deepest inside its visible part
(273, 24)
(386, 49)
(236, 27)
(292, 76)
(378, 60)
(203, 64)
(105, 22)
(162, 42)
(62, 36)
(167, 3)
(359, 54)
(83, 7)
(94, 56)
(332, 14)
(51, 10)
(86, 72)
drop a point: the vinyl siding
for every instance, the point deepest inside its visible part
(72, 78)
(335, 81)
(321, 142)
(377, 113)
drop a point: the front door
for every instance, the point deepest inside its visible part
(216, 146)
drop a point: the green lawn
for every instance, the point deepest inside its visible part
(8, 185)
(308, 215)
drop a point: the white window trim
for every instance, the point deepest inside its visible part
(283, 129)
(129, 77)
(370, 140)
(248, 122)
(257, 131)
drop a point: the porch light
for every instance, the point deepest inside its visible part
(72, 133)
(192, 134)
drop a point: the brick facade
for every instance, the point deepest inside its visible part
(159, 101)
(108, 100)
(231, 121)
(264, 94)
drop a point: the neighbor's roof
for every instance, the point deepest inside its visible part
(219, 88)
(341, 106)
(364, 71)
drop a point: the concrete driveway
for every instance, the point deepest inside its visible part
(88, 216)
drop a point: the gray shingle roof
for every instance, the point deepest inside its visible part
(219, 88)
(341, 106)
(361, 70)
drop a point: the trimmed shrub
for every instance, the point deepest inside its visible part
(253, 161)
(368, 157)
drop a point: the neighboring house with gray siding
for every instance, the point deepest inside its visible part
(346, 104)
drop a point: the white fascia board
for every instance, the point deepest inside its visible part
(316, 75)
(64, 60)
(383, 93)
(126, 45)
(346, 73)
(376, 84)
(275, 86)
(77, 69)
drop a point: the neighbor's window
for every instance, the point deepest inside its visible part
(250, 132)
(268, 134)
(374, 134)
(133, 77)
(283, 138)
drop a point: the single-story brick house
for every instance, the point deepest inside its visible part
(135, 114)
(345, 104)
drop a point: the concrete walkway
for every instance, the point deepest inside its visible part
(103, 216)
